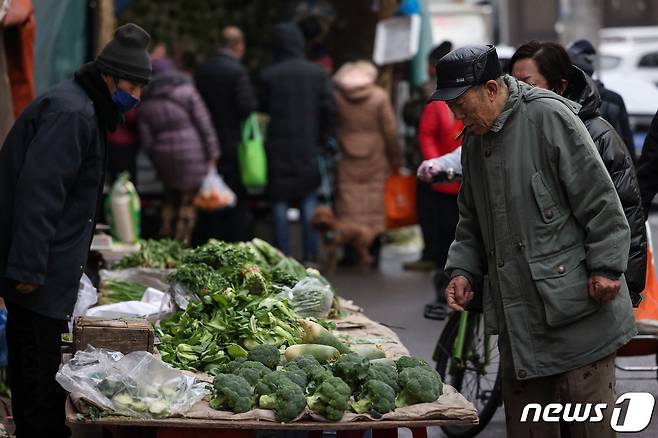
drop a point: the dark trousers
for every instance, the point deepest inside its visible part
(37, 400)
(437, 216)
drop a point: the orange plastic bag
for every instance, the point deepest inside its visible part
(648, 308)
(400, 201)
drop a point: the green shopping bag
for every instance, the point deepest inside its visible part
(251, 155)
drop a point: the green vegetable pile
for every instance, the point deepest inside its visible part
(238, 307)
(161, 254)
(351, 382)
(116, 291)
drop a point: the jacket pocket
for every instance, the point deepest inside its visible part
(548, 208)
(489, 309)
(561, 280)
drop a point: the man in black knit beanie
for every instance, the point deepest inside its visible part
(51, 182)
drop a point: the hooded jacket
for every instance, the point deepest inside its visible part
(584, 91)
(176, 131)
(369, 145)
(296, 94)
(538, 215)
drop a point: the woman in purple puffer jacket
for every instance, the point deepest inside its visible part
(177, 133)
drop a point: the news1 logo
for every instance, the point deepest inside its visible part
(631, 413)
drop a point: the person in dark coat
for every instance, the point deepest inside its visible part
(297, 94)
(51, 180)
(224, 85)
(177, 134)
(547, 65)
(647, 167)
(613, 108)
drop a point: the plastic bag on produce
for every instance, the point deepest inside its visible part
(154, 305)
(310, 297)
(87, 297)
(137, 384)
(150, 277)
(182, 295)
(214, 193)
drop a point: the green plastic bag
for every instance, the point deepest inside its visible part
(251, 155)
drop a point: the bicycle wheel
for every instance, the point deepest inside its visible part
(477, 381)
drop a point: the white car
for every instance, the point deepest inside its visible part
(628, 64)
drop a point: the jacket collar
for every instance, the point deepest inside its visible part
(513, 101)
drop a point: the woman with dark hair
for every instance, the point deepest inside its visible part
(547, 65)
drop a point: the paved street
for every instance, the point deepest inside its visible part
(396, 298)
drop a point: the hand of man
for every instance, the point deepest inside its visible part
(26, 288)
(458, 293)
(428, 169)
(602, 289)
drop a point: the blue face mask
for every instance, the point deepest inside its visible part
(124, 101)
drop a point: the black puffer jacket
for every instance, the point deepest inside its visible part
(297, 94)
(617, 160)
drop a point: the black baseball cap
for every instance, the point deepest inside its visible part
(460, 69)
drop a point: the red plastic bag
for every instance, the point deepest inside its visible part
(400, 201)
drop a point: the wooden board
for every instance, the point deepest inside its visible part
(72, 418)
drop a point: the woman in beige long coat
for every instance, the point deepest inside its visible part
(368, 142)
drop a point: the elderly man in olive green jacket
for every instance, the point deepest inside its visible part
(541, 229)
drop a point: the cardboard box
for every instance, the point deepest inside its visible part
(124, 335)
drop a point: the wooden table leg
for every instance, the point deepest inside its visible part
(419, 432)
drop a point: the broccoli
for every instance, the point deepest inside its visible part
(352, 368)
(309, 365)
(266, 354)
(410, 362)
(330, 398)
(231, 393)
(252, 371)
(280, 394)
(384, 373)
(297, 375)
(233, 366)
(377, 398)
(418, 385)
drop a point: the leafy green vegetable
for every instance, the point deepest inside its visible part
(199, 278)
(161, 254)
(116, 291)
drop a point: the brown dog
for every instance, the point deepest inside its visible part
(337, 233)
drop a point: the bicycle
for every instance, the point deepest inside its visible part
(468, 360)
